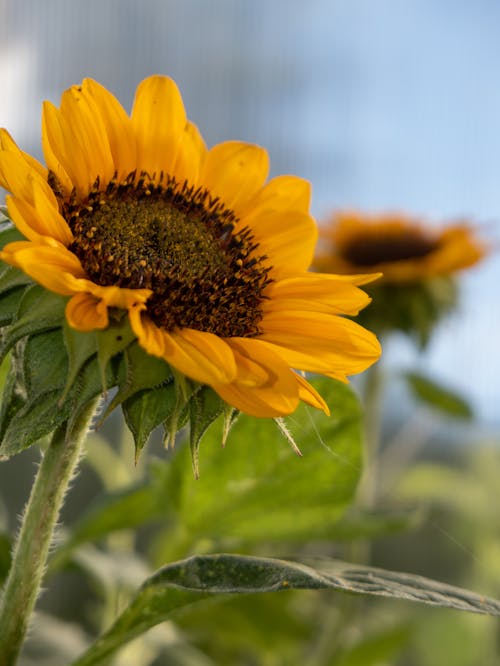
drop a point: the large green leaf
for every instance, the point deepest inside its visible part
(235, 497)
(233, 503)
(189, 581)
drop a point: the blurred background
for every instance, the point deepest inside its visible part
(382, 105)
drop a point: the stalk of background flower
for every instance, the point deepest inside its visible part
(22, 587)
(417, 263)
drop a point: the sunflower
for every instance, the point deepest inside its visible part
(133, 213)
(403, 249)
(418, 264)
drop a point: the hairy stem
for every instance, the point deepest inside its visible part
(35, 536)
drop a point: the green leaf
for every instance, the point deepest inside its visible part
(33, 421)
(234, 500)
(39, 310)
(146, 410)
(189, 581)
(438, 397)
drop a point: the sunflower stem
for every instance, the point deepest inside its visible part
(29, 559)
(373, 398)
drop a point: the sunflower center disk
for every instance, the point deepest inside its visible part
(369, 251)
(181, 244)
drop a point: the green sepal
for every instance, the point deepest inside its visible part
(80, 347)
(39, 367)
(32, 405)
(231, 415)
(113, 339)
(146, 410)
(142, 371)
(39, 310)
(177, 419)
(45, 363)
(205, 407)
(90, 384)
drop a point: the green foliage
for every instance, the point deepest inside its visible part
(233, 503)
(189, 581)
(442, 399)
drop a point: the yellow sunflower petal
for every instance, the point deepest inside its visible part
(320, 342)
(86, 313)
(118, 127)
(235, 172)
(159, 119)
(283, 193)
(17, 176)
(90, 142)
(201, 356)
(151, 338)
(265, 386)
(55, 268)
(58, 269)
(310, 396)
(54, 223)
(287, 239)
(118, 297)
(190, 155)
(7, 143)
(43, 220)
(316, 292)
(62, 152)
